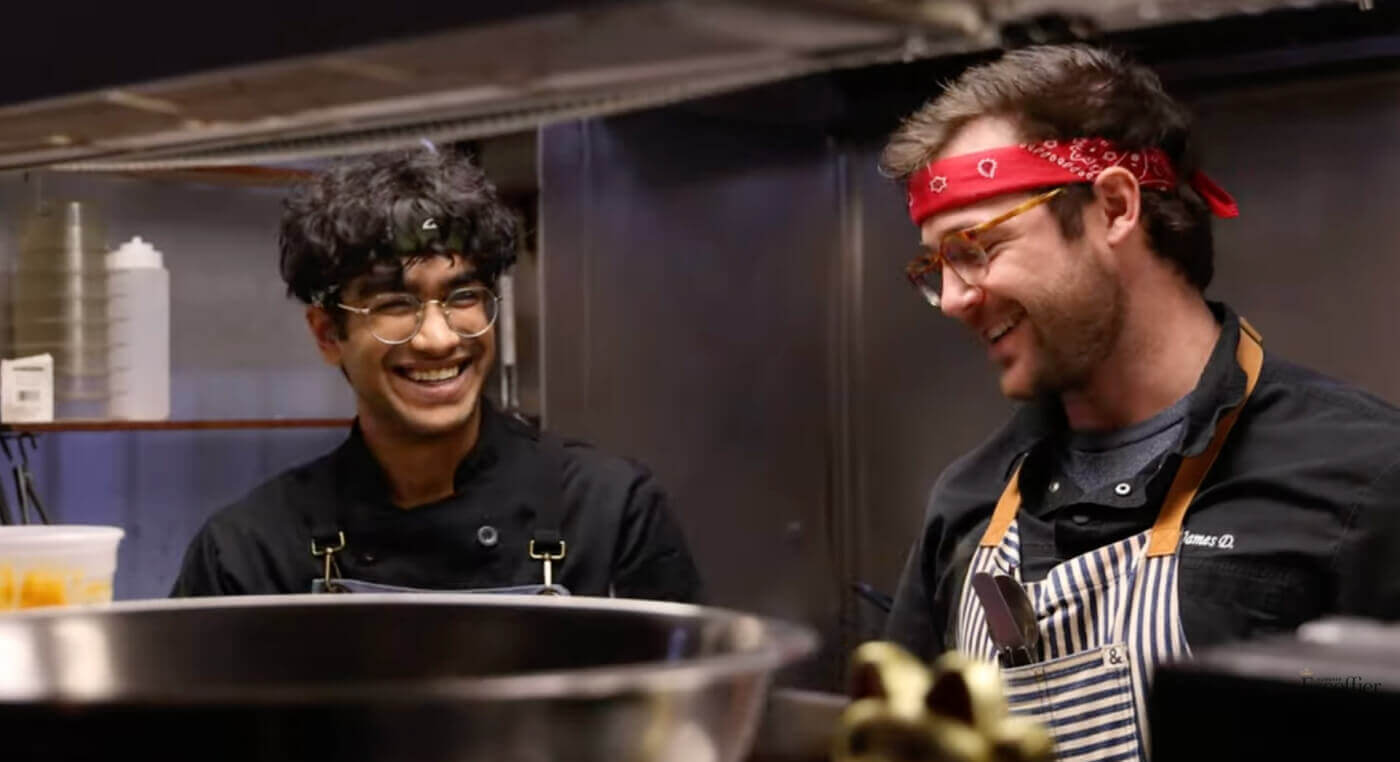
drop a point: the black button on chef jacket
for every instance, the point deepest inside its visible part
(1298, 519)
(621, 537)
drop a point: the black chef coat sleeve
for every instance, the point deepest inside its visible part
(244, 550)
(1368, 558)
(914, 621)
(925, 602)
(203, 571)
(653, 560)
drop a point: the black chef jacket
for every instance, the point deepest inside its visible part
(1298, 518)
(620, 537)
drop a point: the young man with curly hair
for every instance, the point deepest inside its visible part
(396, 258)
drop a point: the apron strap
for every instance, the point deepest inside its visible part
(547, 544)
(1166, 532)
(1005, 513)
(323, 521)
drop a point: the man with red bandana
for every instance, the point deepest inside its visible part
(1166, 483)
(434, 489)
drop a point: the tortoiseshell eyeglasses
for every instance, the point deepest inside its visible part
(961, 251)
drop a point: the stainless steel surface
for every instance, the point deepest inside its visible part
(1114, 15)
(389, 677)
(798, 726)
(1352, 632)
(688, 266)
(982, 19)
(930, 398)
(561, 63)
(552, 62)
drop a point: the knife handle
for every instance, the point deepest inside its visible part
(1015, 657)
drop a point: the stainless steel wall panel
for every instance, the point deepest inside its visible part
(1314, 258)
(687, 272)
(929, 394)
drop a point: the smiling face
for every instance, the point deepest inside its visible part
(429, 386)
(1047, 309)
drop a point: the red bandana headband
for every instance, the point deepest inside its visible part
(961, 180)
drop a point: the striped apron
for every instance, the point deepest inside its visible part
(1106, 618)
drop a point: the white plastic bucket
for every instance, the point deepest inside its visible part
(57, 565)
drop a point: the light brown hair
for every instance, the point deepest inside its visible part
(1068, 91)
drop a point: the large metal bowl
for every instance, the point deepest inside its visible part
(388, 677)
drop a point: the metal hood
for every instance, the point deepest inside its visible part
(501, 72)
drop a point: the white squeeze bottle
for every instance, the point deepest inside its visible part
(138, 305)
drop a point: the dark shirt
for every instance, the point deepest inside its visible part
(1090, 461)
(1296, 520)
(621, 537)
(1087, 460)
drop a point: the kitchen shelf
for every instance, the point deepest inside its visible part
(190, 425)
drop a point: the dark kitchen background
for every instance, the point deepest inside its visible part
(711, 277)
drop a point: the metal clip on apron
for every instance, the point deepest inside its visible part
(1105, 619)
(546, 546)
(327, 550)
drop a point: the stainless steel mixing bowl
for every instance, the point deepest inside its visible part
(388, 677)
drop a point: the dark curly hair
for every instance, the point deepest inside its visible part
(392, 208)
(1069, 91)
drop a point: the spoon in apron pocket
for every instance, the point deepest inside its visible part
(1023, 612)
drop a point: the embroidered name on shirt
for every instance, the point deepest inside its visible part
(1219, 541)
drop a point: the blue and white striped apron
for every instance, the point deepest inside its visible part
(1106, 618)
